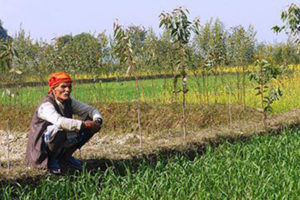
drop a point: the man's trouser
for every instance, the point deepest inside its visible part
(57, 148)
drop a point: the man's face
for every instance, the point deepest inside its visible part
(62, 91)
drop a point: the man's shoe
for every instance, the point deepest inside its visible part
(54, 167)
(75, 163)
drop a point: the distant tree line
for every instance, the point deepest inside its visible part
(3, 32)
(214, 45)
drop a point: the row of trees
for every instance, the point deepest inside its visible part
(184, 45)
(213, 45)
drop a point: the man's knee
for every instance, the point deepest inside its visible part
(88, 134)
(95, 130)
(85, 137)
(57, 141)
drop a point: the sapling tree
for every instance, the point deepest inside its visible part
(150, 55)
(9, 55)
(207, 71)
(104, 57)
(124, 51)
(241, 51)
(291, 19)
(202, 42)
(218, 53)
(181, 28)
(195, 62)
(262, 76)
(167, 55)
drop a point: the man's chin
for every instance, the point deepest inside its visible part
(64, 98)
(67, 97)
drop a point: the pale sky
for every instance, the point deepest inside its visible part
(48, 19)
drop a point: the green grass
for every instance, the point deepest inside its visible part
(95, 92)
(263, 167)
(161, 91)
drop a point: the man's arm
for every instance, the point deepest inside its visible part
(48, 113)
(83, 110)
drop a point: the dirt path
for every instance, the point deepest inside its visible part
(127, 146)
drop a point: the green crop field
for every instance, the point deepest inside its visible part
(263, 167)
(112, 91)
(222, 90)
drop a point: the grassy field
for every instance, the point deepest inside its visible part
(222, 90)
(263, 167)
(260, 168)
(216, 101)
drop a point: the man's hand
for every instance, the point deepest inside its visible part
(99, 120)
(94, 126)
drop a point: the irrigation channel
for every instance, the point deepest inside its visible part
(256, 167)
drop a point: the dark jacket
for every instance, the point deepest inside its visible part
(36, 152)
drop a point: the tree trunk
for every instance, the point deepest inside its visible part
(238, 85)
(139, 108)
(184, 90)
(215, 84)
(244, 88)
(264, 117)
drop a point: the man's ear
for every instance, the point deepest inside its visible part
(54, 90)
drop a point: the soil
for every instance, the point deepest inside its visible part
(127, 146)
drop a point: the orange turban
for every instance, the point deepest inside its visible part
(56, 78)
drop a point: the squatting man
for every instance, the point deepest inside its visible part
(54, 136)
